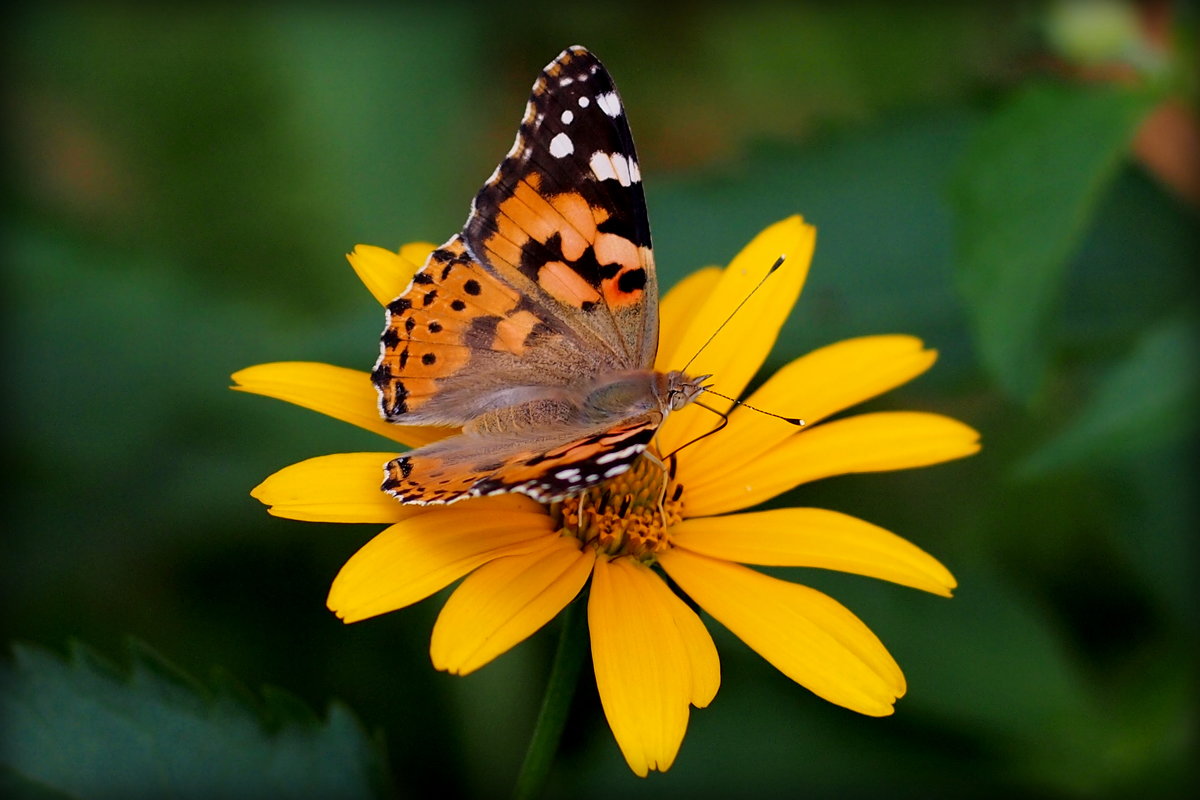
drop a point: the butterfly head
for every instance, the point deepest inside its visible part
(676, 389)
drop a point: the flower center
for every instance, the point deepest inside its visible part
(629, 515)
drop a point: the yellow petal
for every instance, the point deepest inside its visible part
(811, 388)
(415, 558)
(506, 601)
(806, 635)
(337, 488)
(652, 658)
(386, 274)
(698, 645)
(878, 442)
(814, 537)
(417, 253)
(345, 394)
(676, 310)
(738, 351)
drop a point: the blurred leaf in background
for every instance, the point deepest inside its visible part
(183, 182)
(1024, 195)
(163, 735)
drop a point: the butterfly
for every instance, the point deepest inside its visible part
(535, 327)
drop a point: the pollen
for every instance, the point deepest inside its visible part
(629, 515)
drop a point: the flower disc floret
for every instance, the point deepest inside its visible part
(629, 515)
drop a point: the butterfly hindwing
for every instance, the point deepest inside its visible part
(548, 468)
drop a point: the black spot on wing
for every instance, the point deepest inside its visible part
(632, 280)
(534, 254)
(625, 220)
(381, 375)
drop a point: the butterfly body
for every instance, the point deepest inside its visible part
(535, 328)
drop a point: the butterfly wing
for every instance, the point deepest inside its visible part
(548, 467)
(551, 283)
(547, 292)
(563, 217)
(460, 343)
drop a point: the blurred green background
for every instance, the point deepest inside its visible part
(1003, 181)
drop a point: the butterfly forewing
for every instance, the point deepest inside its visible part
(565, 213)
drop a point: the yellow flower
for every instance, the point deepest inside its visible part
(524, 562)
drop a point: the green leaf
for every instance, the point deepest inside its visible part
(1023, 196)
(1144, 401)
(83, 728)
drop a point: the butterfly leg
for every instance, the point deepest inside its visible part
(662, 492)
(582, 501)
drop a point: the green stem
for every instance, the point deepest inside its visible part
(552, 718)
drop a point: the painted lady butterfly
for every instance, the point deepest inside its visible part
(535, 327)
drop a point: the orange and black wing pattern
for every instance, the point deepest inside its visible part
(547, 468)
(564, 215)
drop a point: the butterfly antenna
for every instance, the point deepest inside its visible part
(778, 263)
(799, 423)
(790, 420)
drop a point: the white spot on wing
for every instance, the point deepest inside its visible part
(614, 167)
(584, 102)
(618, 454)
(602, 166)
(568, 116)
(561, 145)
(622, 168)
(610, 104)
